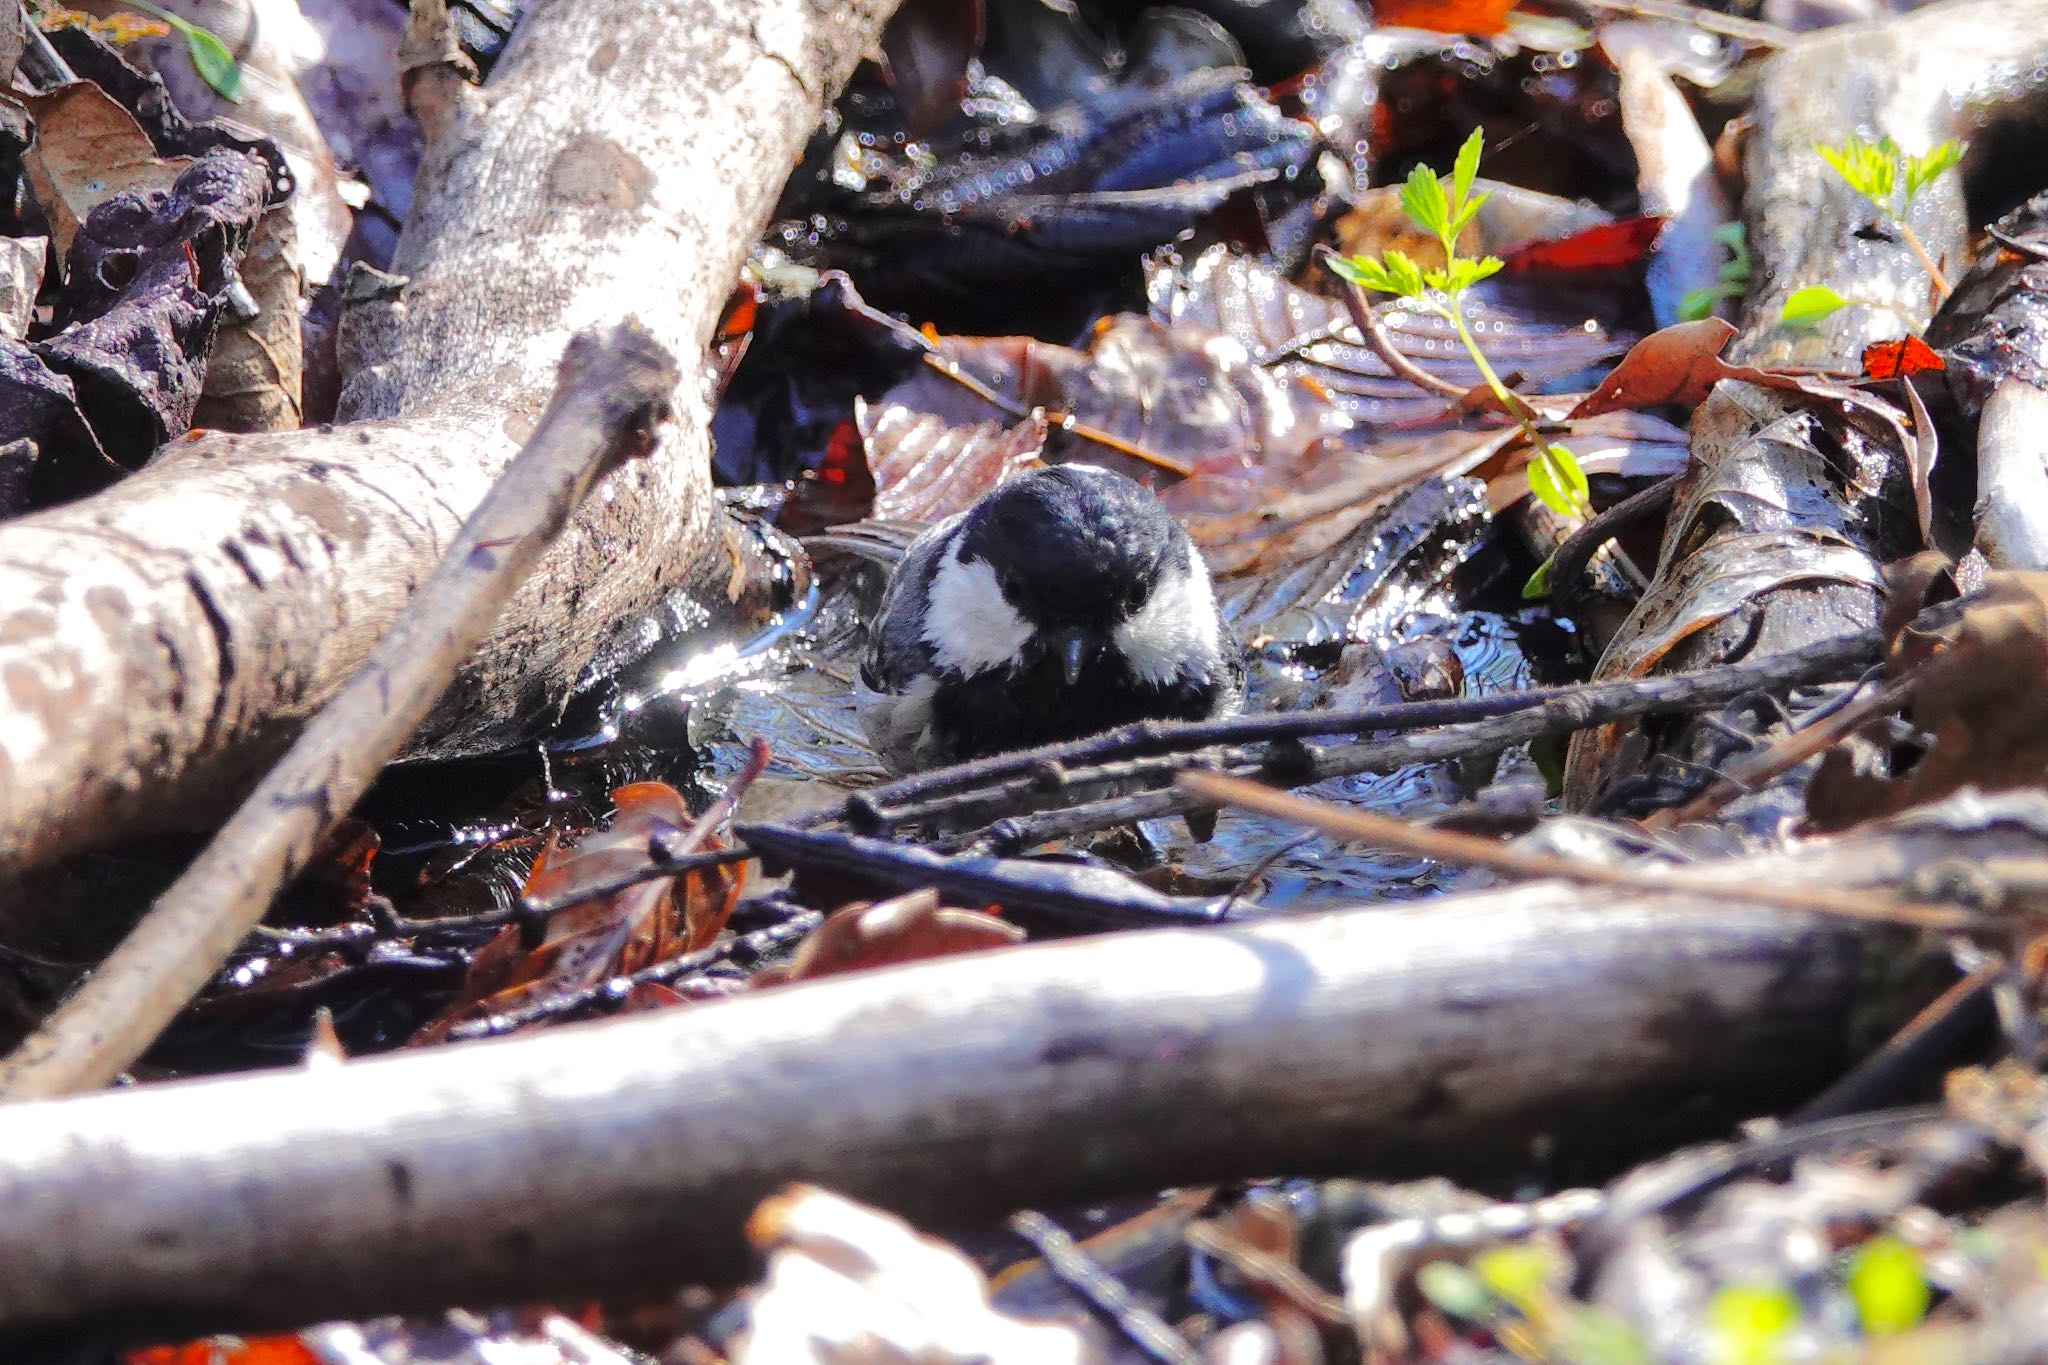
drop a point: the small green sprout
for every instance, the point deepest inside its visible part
(211, 57)
(1889, 1286)
(1444, 206)
(1731, 282)
(1748, 1324)
(1891, 179)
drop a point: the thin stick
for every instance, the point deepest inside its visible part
(1103, 1292)
(1380, 342)
(1448, 846)
(1059, 766)
(1786, 754)
(1912, 241)
(609, 392)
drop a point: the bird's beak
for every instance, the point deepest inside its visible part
(1073, 648)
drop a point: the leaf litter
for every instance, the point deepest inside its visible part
(1158, 184)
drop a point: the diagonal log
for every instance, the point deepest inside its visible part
(161, 643)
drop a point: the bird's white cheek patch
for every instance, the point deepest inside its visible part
(1175, 631)
(967, 622)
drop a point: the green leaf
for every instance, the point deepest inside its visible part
(1921, 171)
(1888, 1285)
(1405, 275)
(1456, 1290)
(1422, 199)
(1556, 479)
(1363, 271)
(211, 57)
(1696, 304)
(1736, 238)
(1467, 212)
(212, 60)
(1466, 169)
(1871, 169)
(1747, 1324)
(1463, 274)
(1538, 586)
(1523, 1275)
(1809, 305)
(1591, 1336)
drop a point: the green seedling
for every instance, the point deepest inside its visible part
(1731, 282)
(1444, 206)
(1891, 179)
(211, 57)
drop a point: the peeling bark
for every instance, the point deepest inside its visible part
(161, 643)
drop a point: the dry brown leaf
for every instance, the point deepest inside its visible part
(87, 150)
(1981, 692)
(905, 928)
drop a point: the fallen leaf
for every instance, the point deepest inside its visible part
(1981, 690)
(905, 928)
(1909, 355)
(1480, 18)
(1610, 246)
(87, 150)
(849, 1285)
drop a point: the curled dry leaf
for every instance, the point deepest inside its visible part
(847, 1285)
(87, 150)
(606, 936)
(905, 928)
(1980, 689)
(147, 282)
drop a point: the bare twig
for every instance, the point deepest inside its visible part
(610, 393)
(744, 950)
(1578, 549)
(1103, 1292)
(1555, 712)
(1788, 753)
(1379, 342)
(1026, 779)
(1448, 846)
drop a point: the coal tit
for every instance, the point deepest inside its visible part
(1065, 602)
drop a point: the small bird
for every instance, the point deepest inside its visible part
(1065, 602)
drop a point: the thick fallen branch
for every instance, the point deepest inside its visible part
(622, 1157)
(162, 643)
(614, 391)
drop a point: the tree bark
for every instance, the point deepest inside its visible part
(161, 643)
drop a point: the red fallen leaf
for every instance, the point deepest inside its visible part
(1681, 364)
(1482, 18)
(226, 1351)
(1908, 355)
(735, 332)
(1609, 246)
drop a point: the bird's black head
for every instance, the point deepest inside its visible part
(1072, 545)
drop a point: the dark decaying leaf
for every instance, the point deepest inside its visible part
(1789, 505)
(925, 51)
(925, 470)
(146, 283)
(1070, 198)
(87, 150)
(1981, 692)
